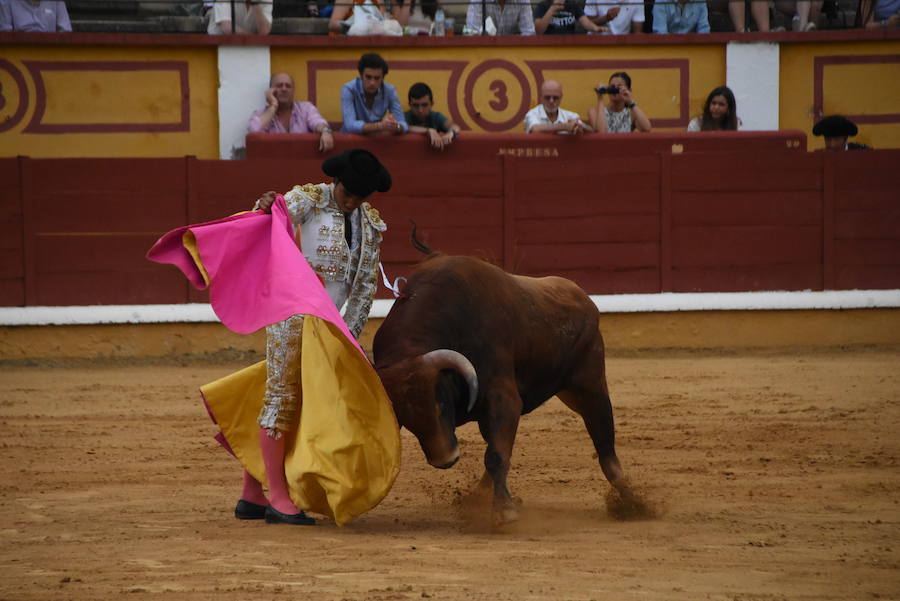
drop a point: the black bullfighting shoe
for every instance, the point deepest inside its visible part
(273, 516)
(245, 510)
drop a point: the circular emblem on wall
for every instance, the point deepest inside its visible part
(13, 95)
(497, 95)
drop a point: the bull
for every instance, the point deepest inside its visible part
(468, 341)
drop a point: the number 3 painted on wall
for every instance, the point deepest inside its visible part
(501, 99)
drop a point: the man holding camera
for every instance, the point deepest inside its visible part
(547, 117)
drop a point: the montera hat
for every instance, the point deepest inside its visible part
(835, 126)
(359, 170)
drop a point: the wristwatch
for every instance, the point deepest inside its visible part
(326, 130)
(630, 105)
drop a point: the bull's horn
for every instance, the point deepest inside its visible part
(447, 359)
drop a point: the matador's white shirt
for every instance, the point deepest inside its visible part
(349, 271)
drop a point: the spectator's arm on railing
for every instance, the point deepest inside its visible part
(352, 125)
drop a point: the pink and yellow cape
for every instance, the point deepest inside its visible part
(344, 456)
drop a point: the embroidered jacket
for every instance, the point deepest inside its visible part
(349, 271)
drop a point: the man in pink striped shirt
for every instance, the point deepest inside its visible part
(283, 115)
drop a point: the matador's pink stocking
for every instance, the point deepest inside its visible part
(273, 458)
(253, 490)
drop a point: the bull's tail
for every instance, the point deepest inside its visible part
(418, 244)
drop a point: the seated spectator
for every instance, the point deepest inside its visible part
(836, 129)
(719, 112)
(547, 117)
(284, 115)
(252, 16)
(559, 17)
(441, 131)
(417, 16)
(804, 13)
(34, 15)
(365, 17)
(504, 17)
(621, 114)
(759, 10)
(681, 16)
(369, 104)
(884, 13)
(302, 9)
(626, 16)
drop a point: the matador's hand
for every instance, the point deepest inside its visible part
(265, 202)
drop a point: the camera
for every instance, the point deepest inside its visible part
(611, 90)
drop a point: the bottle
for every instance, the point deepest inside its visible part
(439, 22)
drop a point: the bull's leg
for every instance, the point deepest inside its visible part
(498, 428)
(594, 407)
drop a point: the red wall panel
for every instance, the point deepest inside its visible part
(75, 231)
(748, 221)
(12, 258)
(867, 219)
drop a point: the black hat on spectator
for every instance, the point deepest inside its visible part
(835, 126)
(360, 172)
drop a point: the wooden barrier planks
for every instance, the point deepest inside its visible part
(92, 221)
(12, 227)
(746, 221)
(867, 220)
(76, 230)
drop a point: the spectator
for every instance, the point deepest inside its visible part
(504, 17)
(836, 129)
(804, 13)
(365, 17)
(759, 10)
(559, 17)
(621, 114)
(252, 16)
(719, 112)
(368, 103)
(302, 9)
(34, 15)
(886, 14)
(625, 17)
(284, 115)
(680, 16)
(547, 117)
(417, 16)
(440, 130)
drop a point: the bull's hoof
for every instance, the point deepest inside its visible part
(504, 516)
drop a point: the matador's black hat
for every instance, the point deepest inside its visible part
(359, 170)
(835, 126)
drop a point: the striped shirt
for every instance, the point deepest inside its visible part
(514, 17)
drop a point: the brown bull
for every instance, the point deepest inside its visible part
(470, 342)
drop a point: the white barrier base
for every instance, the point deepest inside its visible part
(613, 303)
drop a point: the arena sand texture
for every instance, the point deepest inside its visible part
(774, 476)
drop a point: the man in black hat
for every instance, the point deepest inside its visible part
(340, 235)
(836, 130)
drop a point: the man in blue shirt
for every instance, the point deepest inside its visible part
(681, 16)
(370, 105)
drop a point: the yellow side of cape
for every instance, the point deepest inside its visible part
(344, 455)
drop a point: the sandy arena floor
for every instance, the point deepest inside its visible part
(774, 476)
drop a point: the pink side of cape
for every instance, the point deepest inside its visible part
(257, 275)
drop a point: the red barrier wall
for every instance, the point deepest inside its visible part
(75, 231)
